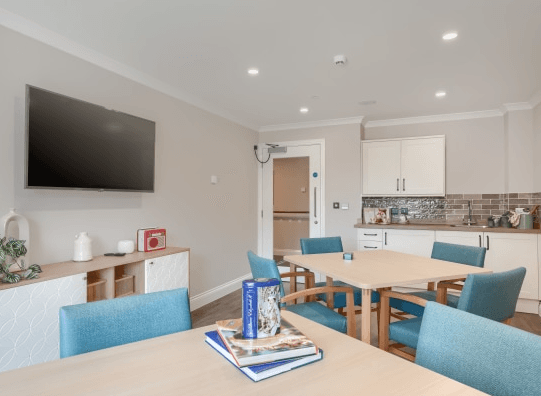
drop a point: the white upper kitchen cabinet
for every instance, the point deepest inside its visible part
(408, 167)
(381, 167)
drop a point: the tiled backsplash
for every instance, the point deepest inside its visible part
(454, 207)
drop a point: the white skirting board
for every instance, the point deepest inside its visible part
(523, 305)
(217, 292)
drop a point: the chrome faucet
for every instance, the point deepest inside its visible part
(470, 217)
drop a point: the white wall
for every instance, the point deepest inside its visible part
(218, 222)
(475, 151)
(343, 174)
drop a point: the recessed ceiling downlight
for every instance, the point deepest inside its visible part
(304, 110)
(253, 71)
(450, 36)
(440, 94)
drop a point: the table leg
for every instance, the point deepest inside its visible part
(365, 319)
(441, 296)
(330, 296)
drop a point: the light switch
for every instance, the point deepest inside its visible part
(345, 206)
(214, 179)
(303, 189)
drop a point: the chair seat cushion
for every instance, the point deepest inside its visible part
(320, 314)
(406, 331)
(340, 298)
(417, 310)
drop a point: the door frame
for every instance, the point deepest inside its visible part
(308, 142)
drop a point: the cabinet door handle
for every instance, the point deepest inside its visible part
(385, 238)
(371, 234)
(404, 184)
(479, 240)
(488, 243)
(370, 247)
(397, 184)
(151, 263)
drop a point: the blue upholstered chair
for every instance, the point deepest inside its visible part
(489, 356)
(108, 323)
(334, 245)
(267, 268)
(493, 296)
(461, 254)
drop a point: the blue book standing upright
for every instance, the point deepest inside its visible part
(258, 372)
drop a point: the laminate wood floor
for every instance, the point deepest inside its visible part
(229, 307)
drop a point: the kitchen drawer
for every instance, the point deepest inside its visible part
(369, 234)
(369, 245)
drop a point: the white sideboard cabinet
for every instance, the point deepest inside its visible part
(407, 167)
(29, 323)
(166, 272)
(29, 331)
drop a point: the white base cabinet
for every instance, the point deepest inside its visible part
(167, 272)
(29, 325)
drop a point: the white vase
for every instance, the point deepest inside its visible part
(82, 247)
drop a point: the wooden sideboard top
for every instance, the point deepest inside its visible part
(68, 268)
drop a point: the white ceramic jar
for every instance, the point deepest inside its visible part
(82, 247)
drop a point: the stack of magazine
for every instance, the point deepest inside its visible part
(262, 358)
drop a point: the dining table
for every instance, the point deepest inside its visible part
(378, 270)
(183, 364)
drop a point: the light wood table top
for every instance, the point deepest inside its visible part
(183, 363)
(383, 268)
(379, 269)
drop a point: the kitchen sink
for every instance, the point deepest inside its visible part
(468, 226)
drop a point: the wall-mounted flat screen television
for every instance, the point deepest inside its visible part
(72, 144)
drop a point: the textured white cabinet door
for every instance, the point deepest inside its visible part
(417, 242)
(381, 167)
(167, 272)
(509, 251)
(29, 331)
(423, 166)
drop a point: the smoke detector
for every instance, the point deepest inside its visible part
(340, 60)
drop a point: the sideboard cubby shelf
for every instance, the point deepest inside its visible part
(95, 287)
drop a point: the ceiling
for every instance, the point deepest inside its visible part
(396, 55)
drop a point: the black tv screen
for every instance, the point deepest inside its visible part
(72, 144)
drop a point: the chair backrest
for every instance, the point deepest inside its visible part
(264, 268)
(493, 296)
(321, 245)
(486, 355)
(108, 323)
(461, 254)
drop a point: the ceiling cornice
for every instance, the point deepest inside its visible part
(37, 32)
(435, 118)
(312, 124)
(516, 106)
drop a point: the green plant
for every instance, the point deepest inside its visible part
(11, 253)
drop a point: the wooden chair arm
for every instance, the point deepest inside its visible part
(454, 286)
(402, 296)
(350, 302)
(307, 275)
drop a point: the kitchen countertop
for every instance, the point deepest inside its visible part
(445, 227)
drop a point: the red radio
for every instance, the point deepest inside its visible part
(149, 239)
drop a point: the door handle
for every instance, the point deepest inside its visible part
(385, 238)
(371, 234)
(404, 184)
(488, 243)
(370, 247)
(479, 240)
(315, 201)
(397, 184)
